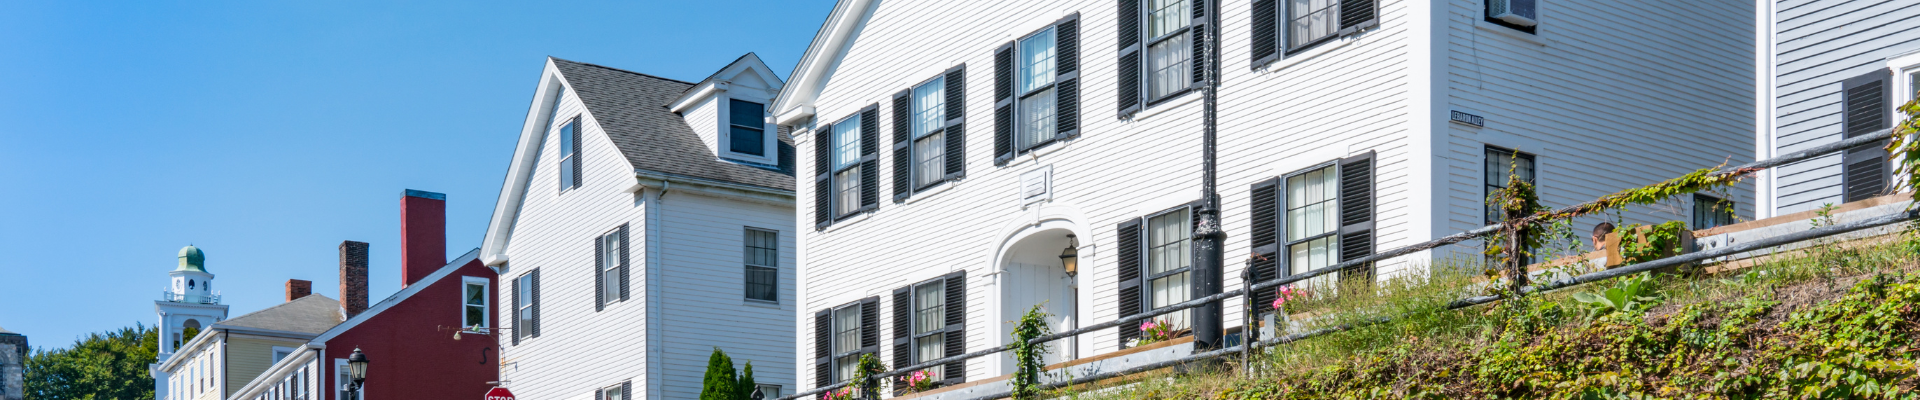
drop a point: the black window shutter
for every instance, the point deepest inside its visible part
(902, 145)
(1129, 68)
(870, 157)
(1356, 215)
(1066, 62)
(956, 313)
(1265, 210)
(1003, 104)
(1128, 239)
(1865, 111)
(902, 330)
(1356, 15)
(1266, 33)
(870, 325)
(823, 348)
(579, 153)
(516, 312)
(624, 295)
(599, 278)
(1197, 54)
(626, 390)
(600, 394)
(823, 183)
(536, 303)
(956, 122)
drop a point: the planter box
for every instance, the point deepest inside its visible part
(1615, 260)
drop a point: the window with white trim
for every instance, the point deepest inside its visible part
(930, 323)
(610, 263)
(1313, 224)
(1710, 212)
(473, 302)
(747, 127)
(569, 146)
(1168, 261)
(846, 341)
(612, 393)
(1311, 21)
(1168, 48)
(279, 353)
(766, 392)
(523, 309)
(929, 117)
(846, 166)
(1036, 104)
(762, 250)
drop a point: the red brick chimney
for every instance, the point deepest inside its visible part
(423, 235)
(353, 277)
(298, 288)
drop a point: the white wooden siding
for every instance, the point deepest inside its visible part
(703, 292)
(1819, 43)
(578, 349)
(704, 118)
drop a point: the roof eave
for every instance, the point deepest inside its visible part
(796, 99)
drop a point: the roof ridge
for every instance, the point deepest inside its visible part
(282, 304)
(622, 70)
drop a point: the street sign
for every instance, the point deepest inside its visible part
(499, 393)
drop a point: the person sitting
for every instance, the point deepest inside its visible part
(1600, 232)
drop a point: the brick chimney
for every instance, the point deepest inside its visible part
(353, 277)
(423, 235)
(298, 288)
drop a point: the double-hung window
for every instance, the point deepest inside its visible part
(929, 145)
(747, 128)
(569, 136)
(846, 341)
(1313, 225)
(1168, 48)
(1502, 165)
(846, 165)
(615, 392)
(1167, 262)
(523, 305)
(473, 302)
(610, 264)
(763, 264)
(1037, 103)
(1710, 212)
(930, 323)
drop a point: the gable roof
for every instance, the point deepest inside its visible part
(397, 297)
(804, 83)
(307, 315)
(631, 108)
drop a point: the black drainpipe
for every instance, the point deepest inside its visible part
(1208, 322)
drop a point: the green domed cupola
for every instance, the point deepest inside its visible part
(191, 259)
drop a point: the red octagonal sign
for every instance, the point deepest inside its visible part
(499, 393)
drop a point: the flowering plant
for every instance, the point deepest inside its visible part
(1154, 331)
(1283, 299)
(918, 381)
(844, 393)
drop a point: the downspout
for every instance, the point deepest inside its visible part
(1208, 323)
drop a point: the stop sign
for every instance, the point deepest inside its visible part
(499, 393)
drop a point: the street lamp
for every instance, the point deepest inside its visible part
(357, 372)
(1070, 258)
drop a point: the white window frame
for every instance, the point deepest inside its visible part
(523, 327)
(747, 248)
(934, 133)
(569, 152)
(1324, 284)
(770, 136)
(276, 354)
(919, 331)
(1180, 319)
(767, 391)
(1286, 27)
(846, 170)
(610, 265)
(486, 301)
(1021, 95)
(1182, 34)
(605, 393)
(341, 376)
(839, 353)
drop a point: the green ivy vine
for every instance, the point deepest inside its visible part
(1027, 356)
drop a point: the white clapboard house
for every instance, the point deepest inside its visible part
(951, 152)
(1831, 70)
(644, 222)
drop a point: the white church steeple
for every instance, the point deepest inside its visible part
(188, 302)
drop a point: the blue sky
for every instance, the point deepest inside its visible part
(267, 132)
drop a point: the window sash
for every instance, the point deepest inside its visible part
(475, 306)
(1311, 21)
(846, 142)
(612, 393)
(929, 309)
(1168, 262)
(747, 123)
(1037, 118)
(610, 261)
(929, 107)
(524, 310)
(930, 158)
(1498, 162)
(1313, 204)
(762, 248)
(846, 330)
(762, 283)
(847, 191)
(1037, 61)
(1166, 18)
(1167, 69)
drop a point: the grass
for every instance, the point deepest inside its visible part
(1834, 320)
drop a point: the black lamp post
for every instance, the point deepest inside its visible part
(357, 372)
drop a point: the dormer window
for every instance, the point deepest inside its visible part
(747, 128)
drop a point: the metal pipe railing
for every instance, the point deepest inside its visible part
(1455, 238)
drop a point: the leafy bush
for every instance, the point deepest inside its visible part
(1628, 294)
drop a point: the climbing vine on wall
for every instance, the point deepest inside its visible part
(1027, 357)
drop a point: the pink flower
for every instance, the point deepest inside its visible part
(1278, 301)
(1146, 325)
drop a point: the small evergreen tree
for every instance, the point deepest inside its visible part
(746, 385)
(720, 382)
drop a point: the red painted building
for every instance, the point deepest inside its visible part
(408, 338)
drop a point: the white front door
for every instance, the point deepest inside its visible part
(1025, 285)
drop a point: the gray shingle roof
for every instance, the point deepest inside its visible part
(312, 314)
(632, 108)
